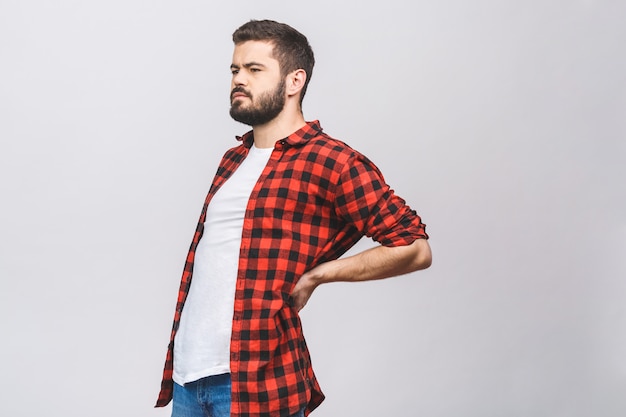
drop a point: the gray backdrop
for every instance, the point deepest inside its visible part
(501, 122)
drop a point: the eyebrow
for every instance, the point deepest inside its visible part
(247, 65)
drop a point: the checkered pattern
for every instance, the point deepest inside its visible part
(315, 199)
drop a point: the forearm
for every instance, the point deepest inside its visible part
(375, 263)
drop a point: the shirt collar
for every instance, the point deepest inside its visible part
(299, 137)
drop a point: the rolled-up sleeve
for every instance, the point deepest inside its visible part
(366, 201)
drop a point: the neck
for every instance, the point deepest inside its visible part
(283, 125)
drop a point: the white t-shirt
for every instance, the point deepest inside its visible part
(202, 344)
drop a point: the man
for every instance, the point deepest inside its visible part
(283, 207)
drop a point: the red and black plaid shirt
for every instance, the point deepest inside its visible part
(314, 200)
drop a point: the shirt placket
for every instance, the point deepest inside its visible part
(244, 250)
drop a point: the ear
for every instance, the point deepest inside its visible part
(295, 82)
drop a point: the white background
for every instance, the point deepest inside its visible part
(503, 123)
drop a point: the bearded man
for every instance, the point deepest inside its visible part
(285, 204)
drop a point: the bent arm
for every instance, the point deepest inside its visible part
(375, 263)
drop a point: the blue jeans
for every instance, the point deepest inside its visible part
(207, 397)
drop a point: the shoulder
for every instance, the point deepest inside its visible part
(338, 154)
(325, 147)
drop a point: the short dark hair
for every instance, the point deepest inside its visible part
(291, 48)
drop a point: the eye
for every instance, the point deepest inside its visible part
(234, 71)
(253, 69)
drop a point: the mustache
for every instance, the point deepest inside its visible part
(239, 90)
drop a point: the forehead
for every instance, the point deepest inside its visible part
(254, 51)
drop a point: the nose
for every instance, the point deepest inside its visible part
(239, 78)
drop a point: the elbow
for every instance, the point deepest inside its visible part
(422, 261)
(423, 257)
(426, 261)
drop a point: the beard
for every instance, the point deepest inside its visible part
(261, 111)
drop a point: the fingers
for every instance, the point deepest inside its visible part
(299, 297)
(297, 301)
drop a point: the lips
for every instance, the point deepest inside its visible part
(238, 92)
